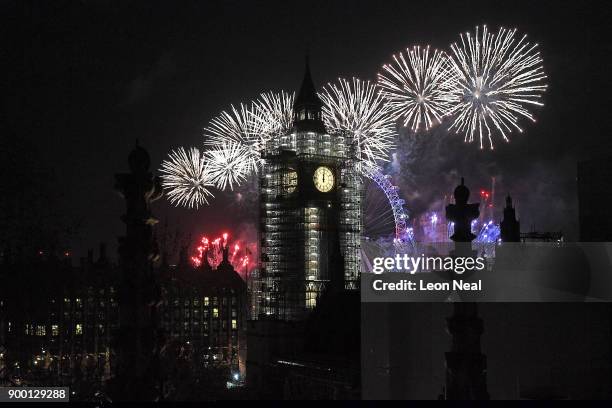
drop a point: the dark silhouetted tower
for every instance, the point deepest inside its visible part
(465, 364)
(510, 227)
(135, 378)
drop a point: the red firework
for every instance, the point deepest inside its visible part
(240, 254)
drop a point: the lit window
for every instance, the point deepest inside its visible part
(78, 329)
(311, 300)
(206, 301)
(54, 330)
(234, 324)
(215, 312)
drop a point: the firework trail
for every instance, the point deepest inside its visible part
(496, 78)
(228, 164)
(211, 250)
(417, 87)
(489, 233)
(357, 108)
(201, 251)
(186, 178)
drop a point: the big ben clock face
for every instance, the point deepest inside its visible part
(323, 179)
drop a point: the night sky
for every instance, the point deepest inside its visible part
(85, 79)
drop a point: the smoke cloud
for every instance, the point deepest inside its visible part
(429, 166)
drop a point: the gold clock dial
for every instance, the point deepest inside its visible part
(323, 179)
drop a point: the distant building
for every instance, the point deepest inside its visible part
(58, 322)
(594, 196)
(208, 309)
(537, 236)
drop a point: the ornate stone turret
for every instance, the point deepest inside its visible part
(510, 227)
(465, 364)
(139, 295)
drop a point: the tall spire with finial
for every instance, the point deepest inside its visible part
(308, 106)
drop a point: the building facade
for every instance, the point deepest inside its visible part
(310, 213)
(59, 322)
(304, 336)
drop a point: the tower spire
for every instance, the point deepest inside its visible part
(308, 94)
(307, 107)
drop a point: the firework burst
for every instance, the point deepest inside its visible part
(417, 87)
(237, 128)
(272, 114)
(186, 178)
(496, 78)
(357, 108)
(228, 164)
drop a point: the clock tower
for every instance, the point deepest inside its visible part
(310, 214)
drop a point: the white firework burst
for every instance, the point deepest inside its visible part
(417, 87)
(272, 114)
(186, 178)
(228, 164)
(237, 127)
(497, 77)
(357, 108)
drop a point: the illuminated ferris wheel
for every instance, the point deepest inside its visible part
(379, 213)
